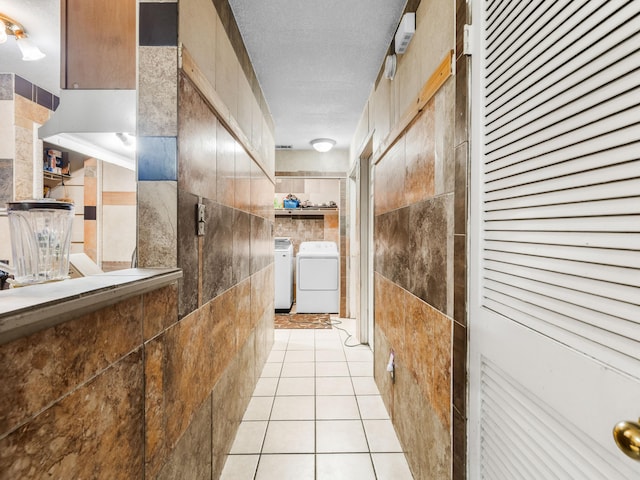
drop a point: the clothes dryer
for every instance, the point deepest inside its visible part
(318, 278)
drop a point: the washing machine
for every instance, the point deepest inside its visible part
(283, 273)
(318, 278)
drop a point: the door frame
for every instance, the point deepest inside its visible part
(363, 242)
(474, 242)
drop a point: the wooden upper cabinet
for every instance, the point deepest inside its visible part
(98, 44)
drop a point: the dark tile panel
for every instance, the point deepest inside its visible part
(459, 368)
(6, 86)
(44, 98)
(261, 243)
(188, 252)
(80, 435)
(157, 158)
(462, 119)
(23, 87)
(90, 212)
(460, 279)
(427, 251)
(158, 24)
(393, 255)
(461, 185)
(197, 145)
(459, 447)
(192, 456)
(49, 364)
(241, 245)
(6, 181)
(217, 254)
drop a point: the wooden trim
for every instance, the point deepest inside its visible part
(119, 198)
(188, 65)
(429, 89)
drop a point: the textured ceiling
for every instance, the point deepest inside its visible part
(316, 61)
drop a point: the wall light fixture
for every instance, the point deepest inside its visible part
(322, 144)
(8, 26)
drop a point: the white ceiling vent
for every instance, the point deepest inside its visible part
(405, 32)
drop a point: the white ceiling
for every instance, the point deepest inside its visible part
(316, 60)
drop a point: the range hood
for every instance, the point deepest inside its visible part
(97, 123)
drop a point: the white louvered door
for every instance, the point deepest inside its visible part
(554, 322)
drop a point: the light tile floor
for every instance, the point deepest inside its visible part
(316, 413)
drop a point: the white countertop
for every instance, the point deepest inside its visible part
(28, 309)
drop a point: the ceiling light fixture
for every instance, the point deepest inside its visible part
(8, 27)
(322, 144)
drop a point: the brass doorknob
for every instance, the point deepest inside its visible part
(627, 437)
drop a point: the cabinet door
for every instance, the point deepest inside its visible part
(100, 44)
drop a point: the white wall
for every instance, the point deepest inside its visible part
(335, 161)
(118, 219)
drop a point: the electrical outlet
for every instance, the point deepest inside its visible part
(391, 367)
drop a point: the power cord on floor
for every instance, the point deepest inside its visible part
(333, 323)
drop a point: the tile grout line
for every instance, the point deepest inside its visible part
(264, 439)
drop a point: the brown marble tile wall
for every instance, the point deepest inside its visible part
(188, 252)
(73, 396)
(419, 397)
(415, 289)
(193, 454)
(217, 251)
(202, 370)
(197, 142)
(51, 363)
(241, 246)
(301, 228)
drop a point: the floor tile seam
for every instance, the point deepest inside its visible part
(264, 437)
